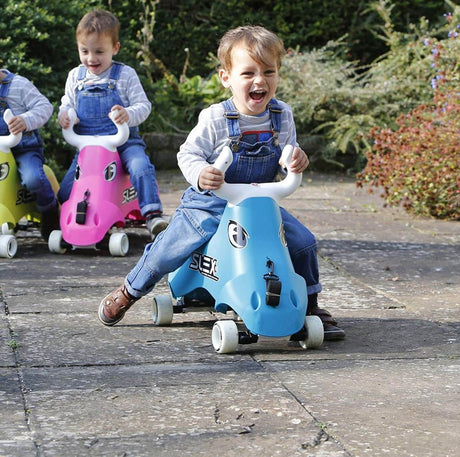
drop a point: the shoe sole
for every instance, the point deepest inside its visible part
(104, 320)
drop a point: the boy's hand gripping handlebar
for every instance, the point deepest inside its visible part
(110, 142)
(9, 141)
(235, 193)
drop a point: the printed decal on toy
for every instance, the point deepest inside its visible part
(24, 196)
(205, 265)
(110, 172)
(129, 195)
(237, 235)
(4, 171)
(282, 235)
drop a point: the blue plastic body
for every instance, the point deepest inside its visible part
(233, 267)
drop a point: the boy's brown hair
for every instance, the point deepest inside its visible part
(100, 22)
(263, 46)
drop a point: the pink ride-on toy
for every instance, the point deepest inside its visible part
(102, 195)
(17, 204)
(245, 268)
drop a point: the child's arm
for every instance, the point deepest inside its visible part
(68, 100)
(137, 105)
(31, 108)
(201, 149)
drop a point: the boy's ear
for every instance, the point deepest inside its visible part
(116, 48)
(224, 78)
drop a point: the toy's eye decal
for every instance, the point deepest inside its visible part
(237, 235)
(110, 171)
(77, 173)
(4, 170)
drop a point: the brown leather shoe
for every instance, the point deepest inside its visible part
(114, 306)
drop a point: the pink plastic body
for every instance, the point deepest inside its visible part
(109, 195)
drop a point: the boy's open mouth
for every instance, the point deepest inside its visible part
(257, 94)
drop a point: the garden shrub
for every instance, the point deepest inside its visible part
(417, 165)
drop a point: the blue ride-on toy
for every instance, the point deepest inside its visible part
(245, 268)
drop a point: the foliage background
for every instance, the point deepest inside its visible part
(353, 67)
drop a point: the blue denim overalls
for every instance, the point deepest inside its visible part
(197, 217)
(29, 156)
(93, 105)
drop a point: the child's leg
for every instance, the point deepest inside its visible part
(194, 222)
(303, 250)
(67, 182)
(143, 176)
(30, 167)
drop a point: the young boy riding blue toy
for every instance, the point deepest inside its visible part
(256, 127)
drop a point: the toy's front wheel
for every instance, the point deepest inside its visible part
(55, 242)
(315, 333)
(162, 310)
(118, 244)
(8, 246)
(225, 336)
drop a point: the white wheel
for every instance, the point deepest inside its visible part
(315, 332)
(118, 244)
(225, 336)
(162, 310)
(55, 242)
(8, 246)
(6, 230)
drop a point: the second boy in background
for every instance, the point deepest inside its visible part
(97, 87)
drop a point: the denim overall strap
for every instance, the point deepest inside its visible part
(114, 74)
(275, 117)
(4, 90)
(81, 76)
(233, 126)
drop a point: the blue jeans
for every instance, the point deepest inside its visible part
(193, 224)
(141, 172)
(30, 167)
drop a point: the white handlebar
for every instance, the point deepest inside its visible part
(9, 141)
(236, 193)
(110, 142)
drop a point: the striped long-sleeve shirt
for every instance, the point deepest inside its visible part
(25, 100)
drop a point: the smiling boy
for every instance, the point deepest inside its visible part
(99, 86)
(256, 126)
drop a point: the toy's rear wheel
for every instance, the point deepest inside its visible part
(315, 332)
(162, 310)
(225, 336)
(8, 246)
(118, 244)
(55, 242)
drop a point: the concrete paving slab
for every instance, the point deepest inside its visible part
(191, 408)
(71, 387)
(391, 407)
